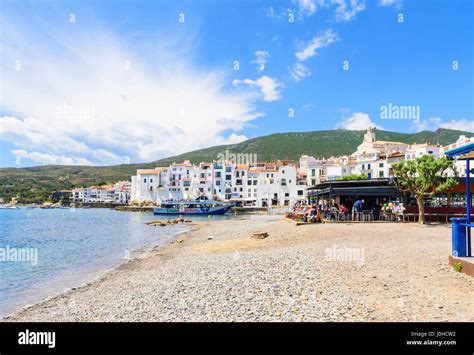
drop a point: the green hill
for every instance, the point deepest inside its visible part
(37, 183)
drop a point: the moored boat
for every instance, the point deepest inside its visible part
(196, 207)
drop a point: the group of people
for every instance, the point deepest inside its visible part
(328, 209)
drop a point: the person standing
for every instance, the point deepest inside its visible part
(357, 208)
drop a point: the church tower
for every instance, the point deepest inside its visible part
(369, 137)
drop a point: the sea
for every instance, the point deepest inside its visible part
(44, 252)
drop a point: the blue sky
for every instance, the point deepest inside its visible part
(110, 82)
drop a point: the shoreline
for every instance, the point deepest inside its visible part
(102, 274)
(403, 276)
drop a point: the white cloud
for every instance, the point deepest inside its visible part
(269, 87)
(347, 10)
(344, 10)
(145, 101)
(433, 123)
(305, 7)
(50, 159)
(299, 71)
(396, 3)
(357, 122)
(235, 138)
(270, 12)
(310, 49)
(261, 59)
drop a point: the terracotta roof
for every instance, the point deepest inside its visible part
(398, 154)
(181, 164)
(148, 171)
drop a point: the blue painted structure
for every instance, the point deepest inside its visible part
(461, 231)
(195, 207)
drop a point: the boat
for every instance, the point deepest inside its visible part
(8, 207)
(196, 207)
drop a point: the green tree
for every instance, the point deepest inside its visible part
(354, 177)
(421, 176)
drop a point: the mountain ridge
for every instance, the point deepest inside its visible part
(38, 182)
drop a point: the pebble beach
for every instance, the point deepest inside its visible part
(315, 273)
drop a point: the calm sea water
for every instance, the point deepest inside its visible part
(74, 246)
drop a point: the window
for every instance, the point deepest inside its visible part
(151, 188)
(255, 182)
(300, 192)
(249, 182)
(368, 166)
(380, 165)
(313, 182)
(283, 182)
(144, 180)
(218, 174)
(218, 183)
(287, 194)
(381, 174)
(228, 169)
(151, 180)
(313, 172)
(363, 166)
(228, 177)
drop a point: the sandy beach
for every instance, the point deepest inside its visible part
(321, 272)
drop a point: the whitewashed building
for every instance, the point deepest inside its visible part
(119, 193)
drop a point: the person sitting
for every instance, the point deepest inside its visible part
(342, 211)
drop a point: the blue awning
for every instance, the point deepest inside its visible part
(460, 151)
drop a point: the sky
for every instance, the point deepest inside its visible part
(120, 81)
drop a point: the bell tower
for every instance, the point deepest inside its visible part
(369, 137)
